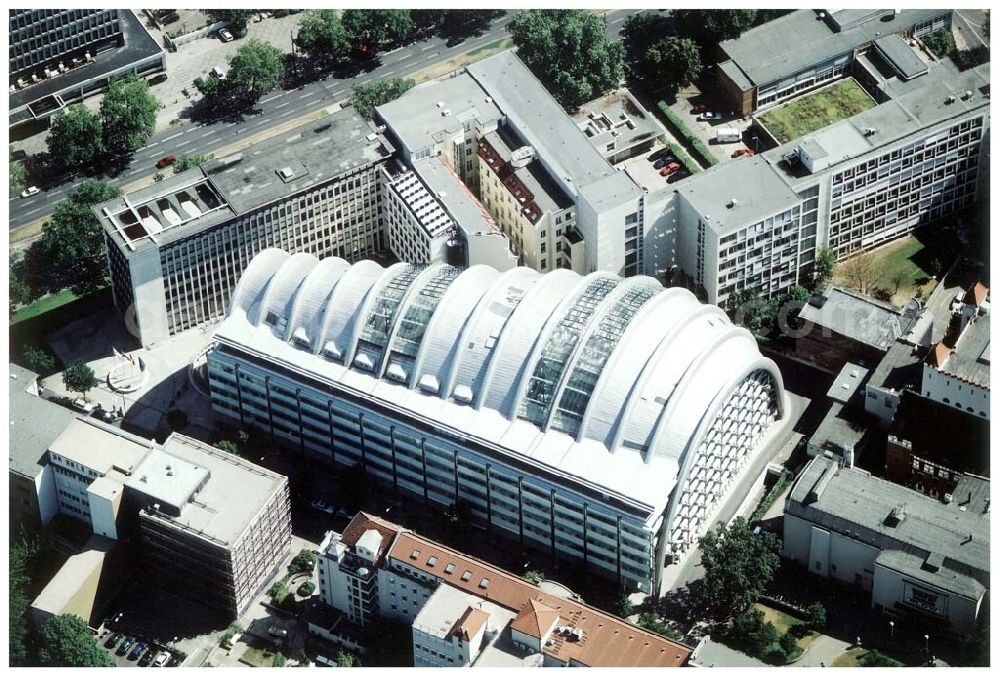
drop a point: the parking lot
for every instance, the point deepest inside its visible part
(645, 170)
(148, 657)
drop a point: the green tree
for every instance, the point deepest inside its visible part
(211, 87)
(21, 555)
(20, 286)
(279, 660)
(738, 565)
(257, 68)
(377, 26)
(366, 97)
(304, 561)
(306, 589)
(185, 162)
(227, 446)
(826, 260)
(278, 591)
(709, 27)
(346, 659)
(18, 174)
(789, 645)
(38, 360)
(80, 378)
(876, 659)
(941, 42)
(623, 606)
(322, 33)
(66, 641)
(128, 115)
(533, 576)
(76, 138)
(751, 310)
(569, 51)
(70, 252)
(642, 31)
(750, 633)
(674, 62)
(238, 19)
(816, 614)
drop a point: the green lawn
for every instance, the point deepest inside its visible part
(817, 110)
(785, 622)
(905, 265)
(850, 658)
(497, 45)
(46, 304)
(259, 654)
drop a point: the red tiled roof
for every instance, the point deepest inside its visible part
(361, 523)
(535, 619)
(938, 354)
(607, 640)
(471, 623)
(976, 294)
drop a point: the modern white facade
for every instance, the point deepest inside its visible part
(602, 418)
(959, 376)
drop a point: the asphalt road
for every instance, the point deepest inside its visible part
(274, 109)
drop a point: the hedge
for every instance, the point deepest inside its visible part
(684, 158)
(677, 124)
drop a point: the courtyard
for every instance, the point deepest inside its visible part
(814, 111)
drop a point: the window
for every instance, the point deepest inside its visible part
(485, 583)
(432, 561)
(466, 575)
(449, 568)
(414, 554)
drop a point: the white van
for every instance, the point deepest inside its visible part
(728, 135)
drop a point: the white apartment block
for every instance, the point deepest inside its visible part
(854, 185)
(418, 228)
(177, 248)
(464, 612)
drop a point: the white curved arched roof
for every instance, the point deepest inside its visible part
(598, 377)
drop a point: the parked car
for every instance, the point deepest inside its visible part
(663, 161)
(218, 73)
(166, 161)
(677, 175)
(113, 641)
(670, 168)
(698, 108)
(743, 151)
(147, 658)
(710, 116)
(320, 505)
(169, 18)
(29, 192)
(83, 406)
(343, 513)
(162, 659)
(277, 632)
(125, 645)
(225, 35)
(137, 650)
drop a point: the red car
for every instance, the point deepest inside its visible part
(165, 162)
(698, 108)
(670, 168)
(743, 151)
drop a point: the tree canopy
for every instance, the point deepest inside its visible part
(128, 115)
(826, 260)
(673, 62)
(185, 162)
(18, 174)
(346, 659)
(709, 27)
(76, 138)
(366, 97)
(238, 19)
(20, 556)
(569, 51)
(322, 33)
(257, 68)
(738, 565)
(377, 26)
(67, 641)
(80, 378)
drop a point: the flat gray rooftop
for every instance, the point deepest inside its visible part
(419, 122)
(856, 502)
(100, 446)
(802, 39)
(314, 153)
(540, 119)
(858, 317)
(167, 479)
(616, 118)
(233, 495)
(34, 424)
(847, 382)
(758, 192)
(900, 56)
(470, 216)
(970, 360)
(838, 431)
(899, 368)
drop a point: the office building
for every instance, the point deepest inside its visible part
(804, 50)
(956, 371)
(177, 247)
(913, 553)
(603, 419)
(61, 56)
(34, 424)
(211, 525)
(464, 612)
(853, 185)
(549, 189)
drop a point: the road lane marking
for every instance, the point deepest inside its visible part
(151, 145)
(273, 98)
(181, 145)
(308, 94)
(287, 113)
(28, 213)
(390, 71)
(208, 133)
(403, 58)
(169, 138)
(424, 49)
(282, 105)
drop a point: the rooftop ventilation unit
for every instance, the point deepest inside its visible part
(732, 203)
(286, 174)
(870, 131)
(950, 99)
(967, 95)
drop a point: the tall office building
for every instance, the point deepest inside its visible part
(177, 248)
(603, 419)
(60, 56)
